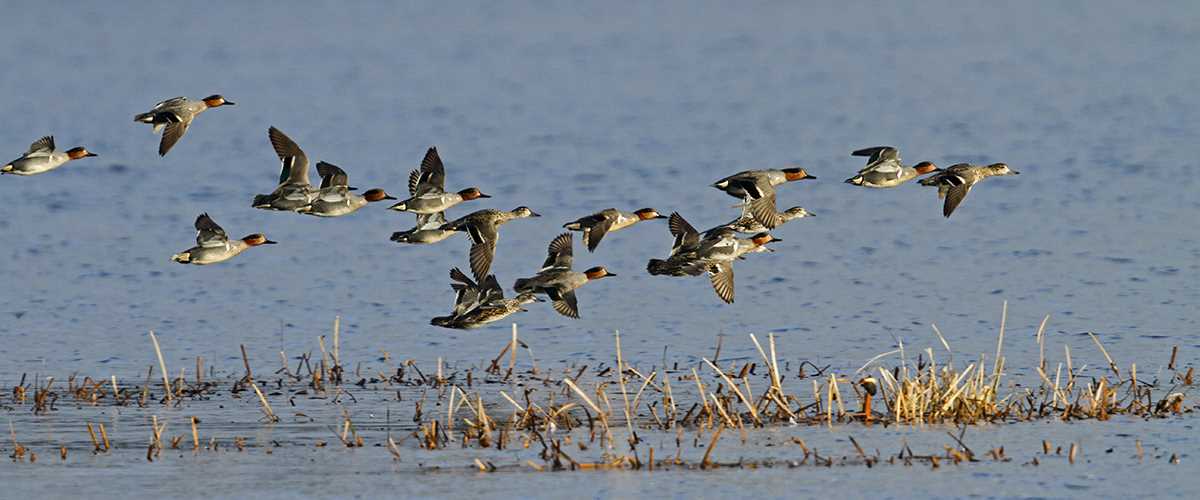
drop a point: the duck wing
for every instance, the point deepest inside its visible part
(593, 234)
(565, 303)
(295, 162)
(685, 235)
(468, 294)
(332, 175)
(490, 290)
(878, 153)
(954, 196)
(208, 233)
(481, 256)
(431, 221)
(169, 103)
(721, 276)
(559, 254)
(41, 147)
(755, 187)
(431, 176)
(171, 135)
(763, 210)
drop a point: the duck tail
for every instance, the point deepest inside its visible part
(6, 169)
(144, 118)
(182, 257)
(261, 201)
(522, 286)
(401, 236)
(856, 180)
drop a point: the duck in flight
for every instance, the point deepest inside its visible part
(884, 168)
(556, 279)
(174, 116)
(335, 198)
(955, 182)
(213, 246)
(42, 156)
(757, 189)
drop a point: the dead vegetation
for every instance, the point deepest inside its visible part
(581, 417)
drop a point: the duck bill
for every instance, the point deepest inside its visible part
(229, 103)
(269, 242)
(390, 197)
(808, 176)
(481, 195)
(534, 214)
(774, 239)
(661, 217)
(609, 275)
(90, 154)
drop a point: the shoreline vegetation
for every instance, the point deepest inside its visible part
(579, 417)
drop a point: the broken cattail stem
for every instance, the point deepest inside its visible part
(246, 363)
(266, 407)
(512, 349)
(1111, 365)
(337, 329)
(621, 382)
(707, 461)
(747, 402)
(162, 365)
(195, 434)
(104, 437)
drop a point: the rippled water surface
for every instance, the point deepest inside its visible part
(570, 109)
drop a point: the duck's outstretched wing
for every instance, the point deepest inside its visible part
(721, 276)
(431, 176)
(208, 233)
(565, 303)
(295, 162)
(559, 255)
(41, 147)
(685, 235)
(592, 235)
(877, 153)
(954, 196)
(763, 210)
(171, 135)
(332, 175)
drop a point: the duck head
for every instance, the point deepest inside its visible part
(648, 214)
(524, 211)
(925, 167)
(796, 174)
(377, 194)
(761, 239)
(217, 100)
(79, 152)
(473, 193)
(1001, 169)
(796, 213)
(257, 239)
(597, 272)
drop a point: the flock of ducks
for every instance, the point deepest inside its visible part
(480, 300)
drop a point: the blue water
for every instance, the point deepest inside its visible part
(573, 108)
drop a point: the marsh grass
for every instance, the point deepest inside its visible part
(567, 413)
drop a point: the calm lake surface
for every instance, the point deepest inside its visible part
(571, 109)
